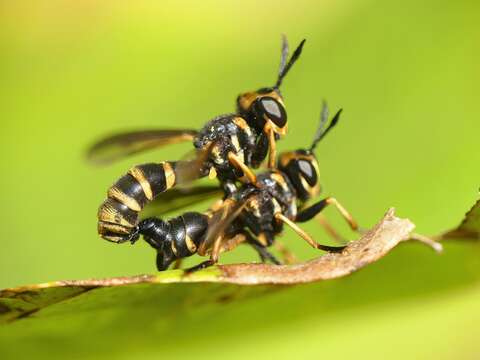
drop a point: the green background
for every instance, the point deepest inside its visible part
(405, 73)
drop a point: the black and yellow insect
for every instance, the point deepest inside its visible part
(227, 147)
(254, 214)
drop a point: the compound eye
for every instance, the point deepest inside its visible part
(274, 111)
(308, 172)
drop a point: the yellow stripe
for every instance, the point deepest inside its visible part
(279, 179)
(140, 177)
(242, 124)
(123, 198)
(235, 143)
(110, 214)
(174, 249)
(169, 175)
(276, 206)
(104, 227)
(190, 244)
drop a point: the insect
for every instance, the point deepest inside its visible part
(227, 147)
(252, 214)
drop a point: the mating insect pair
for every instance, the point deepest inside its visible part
(227, 147)
(253, 214)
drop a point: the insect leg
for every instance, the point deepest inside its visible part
(272, 154)
(262, 251)
(329, 229)
(202, 265)
(264, 254)
(240, 165)
(305, 236)
(177, 264)
(216, 248)
(345, 214)
(288, 256)
(313, 210)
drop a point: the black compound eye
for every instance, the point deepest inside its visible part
(308, 172)
(274, 111)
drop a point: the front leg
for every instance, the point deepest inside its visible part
(240, 165)
(272, 154)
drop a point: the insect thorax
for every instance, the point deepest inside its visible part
(279, 187)
(275, 195)
(227, 133)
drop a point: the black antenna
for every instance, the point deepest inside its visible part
(285, 68)
(284, 57)
(321, 132)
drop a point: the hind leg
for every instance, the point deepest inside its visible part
(201, 266)
(264, 254)
(288, 256)
(262, 251)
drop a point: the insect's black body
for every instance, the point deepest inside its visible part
(119, 214)
(229, 134)
(227, 147)
(183, 236)
(175, 238)
(257, 223)
(253, 213)
(275, 194)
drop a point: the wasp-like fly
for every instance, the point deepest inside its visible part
(254, 214)
(227, 147)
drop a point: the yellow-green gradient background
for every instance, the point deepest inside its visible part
(406, 74)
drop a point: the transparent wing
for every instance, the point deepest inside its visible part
(178, 198)
(120, 145)
(188, 170)
(220, 221)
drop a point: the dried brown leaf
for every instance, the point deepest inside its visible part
(373, 245)
(470, 226)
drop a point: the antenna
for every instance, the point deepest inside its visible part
(321, 131)
(283, 71)
(284, 57)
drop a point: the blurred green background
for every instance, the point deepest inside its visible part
(406, 74)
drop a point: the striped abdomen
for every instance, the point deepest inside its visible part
(118, 215)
